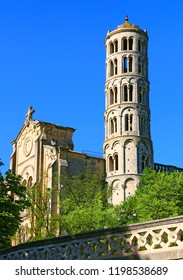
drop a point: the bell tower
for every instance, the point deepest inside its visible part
(127, 147)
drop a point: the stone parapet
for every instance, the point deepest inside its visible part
(168, 168)
(160, 239)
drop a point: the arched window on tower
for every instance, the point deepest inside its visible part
(111, 48)
(124, 44)
(116, 162)
(131, 44)
(139, 45)
(111, 97)
(125, 64)
(131, 93)
(145, 162)
(115, 67)
(111, 68)
(111, 164)
(116, 46)
(111, 126)
(125, 90)
(115, 94)
(115, 124)
(126, 123)
(130, 64)
(128, 93)
(131, 122)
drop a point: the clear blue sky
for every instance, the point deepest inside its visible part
(52, 56)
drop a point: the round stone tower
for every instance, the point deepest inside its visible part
(128, 147)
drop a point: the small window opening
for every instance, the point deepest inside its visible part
(139, 46)
(116, 162)
(111, 48)
(115, 67)
(111, 97)
(125, 93)
(112, 126)
(111, 68)
(111, 164)
(124, 44)
(116, 46)
(115, 95)
(115, 124)
(126, 123)
(130, 44)
(131, 93)
(131, 122)
(130, 64)
(125, 64)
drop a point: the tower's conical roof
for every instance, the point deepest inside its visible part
(127, 24)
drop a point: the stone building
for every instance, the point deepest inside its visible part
(42, 150)
(128, 147)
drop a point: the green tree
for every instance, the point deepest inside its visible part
(159, 196)
(83, 188)
(43, 222)
(83, 206)
(87, 217)
(84, 203)
(12, 201)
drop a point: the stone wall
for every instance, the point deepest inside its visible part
(78, 162)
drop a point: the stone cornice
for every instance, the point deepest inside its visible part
(125, 30)
(122, 75)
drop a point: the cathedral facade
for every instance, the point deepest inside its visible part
(42, 150)
(43, 154)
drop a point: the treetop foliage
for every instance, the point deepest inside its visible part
(83, 189)
(160, 195)
(84, 203)
(12, 202)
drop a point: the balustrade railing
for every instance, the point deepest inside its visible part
(161, 239)
(168, 168)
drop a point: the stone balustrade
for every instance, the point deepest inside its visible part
(161, 239)
(167, 168)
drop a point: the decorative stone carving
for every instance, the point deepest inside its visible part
(161, 239)
(28, 146)
(29, 113)
(50, 152)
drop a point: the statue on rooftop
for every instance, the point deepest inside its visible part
(29, 114)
